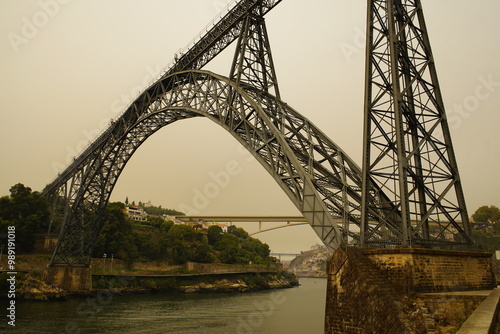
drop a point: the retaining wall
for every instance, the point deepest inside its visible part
(375, 291)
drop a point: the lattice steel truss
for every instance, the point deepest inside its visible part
(330, 190)
(408, 151)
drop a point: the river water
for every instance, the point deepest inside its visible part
(286, 311)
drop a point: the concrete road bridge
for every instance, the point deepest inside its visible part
(286, 221)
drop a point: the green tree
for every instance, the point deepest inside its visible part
(256, 250)
(487, 214)
(149, 246)
(181, 252)
(28, 211)
(182, 232)
(239, 232)
(203, 253)
(213, 234)
(158, 211)
(116, 236)
(166, 226)
(229, 249)
(155, 221)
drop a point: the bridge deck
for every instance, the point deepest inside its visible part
(244, 219)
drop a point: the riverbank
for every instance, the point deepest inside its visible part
(150, 278)
(284, 311)
(198, 283)
(33, 288)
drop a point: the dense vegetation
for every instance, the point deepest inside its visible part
(28, 211)
(486, 233)
(153, 240)
(156, 210)
(160, 240)
(487, 214)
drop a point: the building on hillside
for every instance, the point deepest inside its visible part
(136, 213)
(318, 247)
(193, 224)
(224, 227)
(169, 217)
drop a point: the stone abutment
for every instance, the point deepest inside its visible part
(406, 290)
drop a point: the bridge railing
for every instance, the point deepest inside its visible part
(184, 50)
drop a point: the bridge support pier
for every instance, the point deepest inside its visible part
(71, 279)
(403, 290)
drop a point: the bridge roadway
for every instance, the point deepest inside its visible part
(289, 220)
(244, 219)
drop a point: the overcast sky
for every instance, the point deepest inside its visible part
(69, 66)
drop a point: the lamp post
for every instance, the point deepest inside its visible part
(104, 269)
(1, 253)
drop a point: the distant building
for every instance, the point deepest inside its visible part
(136, 213)
(317, 247)
(194, 223)
(224, 227)
(168, 217)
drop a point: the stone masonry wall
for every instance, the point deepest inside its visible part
(378, 291)
(359, 299)
(73, 279)
(426, 270)
(215, 268)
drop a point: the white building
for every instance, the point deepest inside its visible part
(136, 213)
(224, 227)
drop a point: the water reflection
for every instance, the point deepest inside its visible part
(288, 311)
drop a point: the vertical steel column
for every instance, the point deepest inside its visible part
(444, 124)
(397, 100)
(253, 63)
(366, 184)
(407, 148)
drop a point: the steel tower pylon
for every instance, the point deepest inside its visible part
(253, 63)
(407, 151)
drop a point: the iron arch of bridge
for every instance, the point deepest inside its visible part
(317, 176)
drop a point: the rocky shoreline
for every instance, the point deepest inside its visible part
(210, 283)
(237, 285)
(31, 288)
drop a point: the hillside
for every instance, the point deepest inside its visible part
(311, 263)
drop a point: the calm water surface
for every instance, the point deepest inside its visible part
(289, 311)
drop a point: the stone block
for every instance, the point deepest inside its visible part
(70, 279)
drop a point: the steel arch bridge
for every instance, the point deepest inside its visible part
(321, 180)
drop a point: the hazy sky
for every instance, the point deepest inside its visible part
(69, 66)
